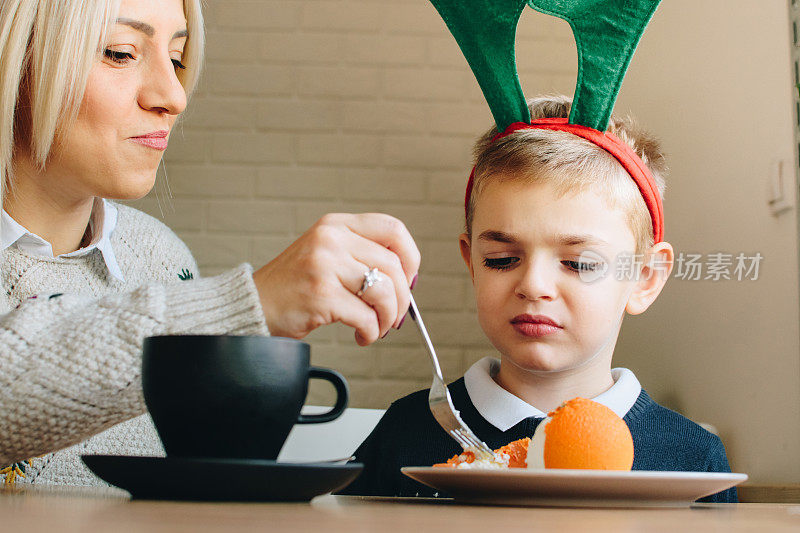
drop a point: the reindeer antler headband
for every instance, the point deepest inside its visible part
(606, 33)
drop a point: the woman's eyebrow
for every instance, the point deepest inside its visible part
(147, 29)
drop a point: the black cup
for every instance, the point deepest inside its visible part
(230, 397)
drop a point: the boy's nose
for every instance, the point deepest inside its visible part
(537, 283)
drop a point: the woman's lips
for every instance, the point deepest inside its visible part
(157, 140)
(535, 325)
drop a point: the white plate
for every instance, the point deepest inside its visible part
(574, 488)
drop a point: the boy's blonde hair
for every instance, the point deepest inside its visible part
(571, 164)
(47, 48)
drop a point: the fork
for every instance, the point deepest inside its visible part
(442, 405)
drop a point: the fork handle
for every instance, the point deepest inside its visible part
(415, 316)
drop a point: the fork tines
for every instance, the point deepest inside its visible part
(468, 440)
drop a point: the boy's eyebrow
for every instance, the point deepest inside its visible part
(562, 240)
(498, 236)
(576, 239)
(147, 29)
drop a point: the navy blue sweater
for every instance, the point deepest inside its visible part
(408, 435)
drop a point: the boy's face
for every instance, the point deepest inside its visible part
(536, 261)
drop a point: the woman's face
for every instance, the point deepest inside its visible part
(132, 99)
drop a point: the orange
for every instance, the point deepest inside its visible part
(584, 434)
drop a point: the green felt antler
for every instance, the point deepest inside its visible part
(485, 32)
(606, 34)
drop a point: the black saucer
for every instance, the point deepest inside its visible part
(175, 478)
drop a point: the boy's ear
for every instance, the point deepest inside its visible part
(652, 278)
(465, 244)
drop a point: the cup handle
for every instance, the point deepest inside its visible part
(341, 396)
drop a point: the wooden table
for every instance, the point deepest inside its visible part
(66, 510)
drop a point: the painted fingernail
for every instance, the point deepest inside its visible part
(401, 321)
(384, 335)
(414, 281)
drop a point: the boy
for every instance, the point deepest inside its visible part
(554, 225)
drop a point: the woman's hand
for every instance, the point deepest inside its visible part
(315, 280)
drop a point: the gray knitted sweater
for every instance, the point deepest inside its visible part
(70, 358)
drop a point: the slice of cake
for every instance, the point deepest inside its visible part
(579, 434)
(511, 455)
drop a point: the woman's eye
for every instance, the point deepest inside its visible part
(178, 64)
(500, 263)
(579, 266)
(118, 57)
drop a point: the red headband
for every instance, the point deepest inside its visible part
(623, 153)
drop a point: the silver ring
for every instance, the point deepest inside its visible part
(371, 277)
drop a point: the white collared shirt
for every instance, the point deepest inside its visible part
(102, 223)
(504, 410)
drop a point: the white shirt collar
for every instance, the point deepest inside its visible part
(103, 221)
(504, 410)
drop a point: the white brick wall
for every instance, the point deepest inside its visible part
(312, 106)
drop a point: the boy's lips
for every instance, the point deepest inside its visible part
(535, 325)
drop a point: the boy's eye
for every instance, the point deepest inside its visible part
(579, 266)
(500, 263)
(118, 57)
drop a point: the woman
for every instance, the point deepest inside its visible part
(89, 92)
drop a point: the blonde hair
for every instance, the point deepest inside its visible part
(571, 164)
(47, 49)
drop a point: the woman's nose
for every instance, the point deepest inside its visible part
(161, 89)
(537, 282)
